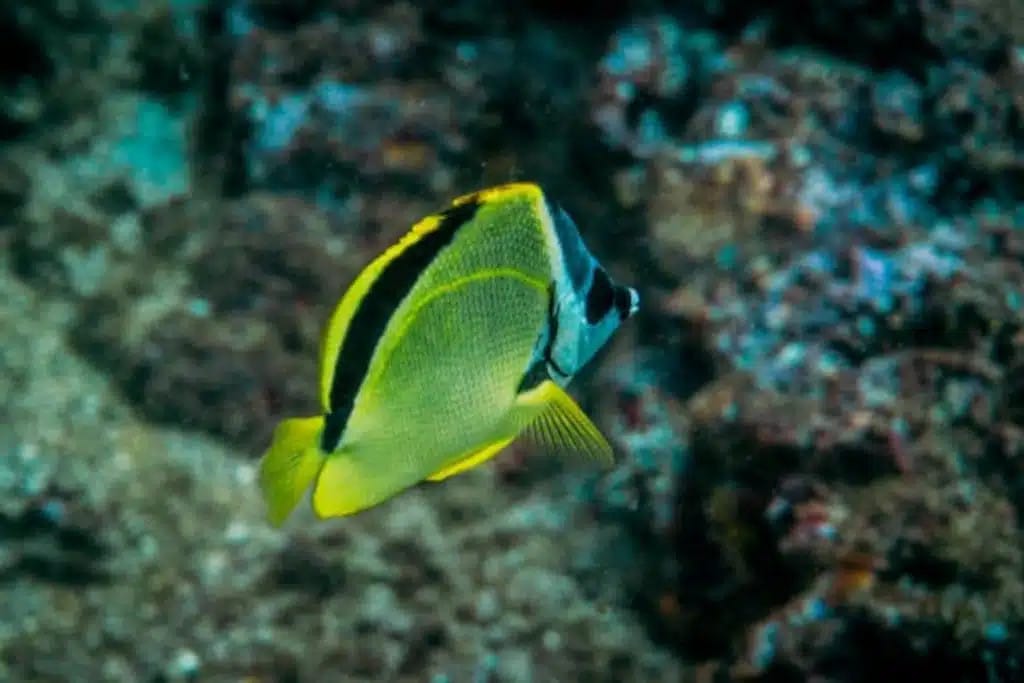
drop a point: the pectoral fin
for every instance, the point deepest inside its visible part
(472, 460)
(557, 424)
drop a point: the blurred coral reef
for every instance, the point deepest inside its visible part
(821, 451)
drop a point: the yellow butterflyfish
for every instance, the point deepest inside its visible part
(452, 343)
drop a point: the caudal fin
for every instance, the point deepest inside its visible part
(290, 465)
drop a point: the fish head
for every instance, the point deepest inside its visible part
(587, 318)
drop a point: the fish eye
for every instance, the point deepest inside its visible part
(600, 296)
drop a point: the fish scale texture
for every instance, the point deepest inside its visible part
(445, 376)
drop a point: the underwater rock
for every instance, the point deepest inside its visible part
(905, 34)
(49, 534)
(69, 253)
(165, 52)
(820, 143)
(324, 102)
(46, 66)
(338, 102)
(74, 229)
(63, 60)
(834, 254)
(894, 397)
(229, 342)
(15, 187)
(810, 523)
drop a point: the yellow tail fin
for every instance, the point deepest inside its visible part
(290, 465)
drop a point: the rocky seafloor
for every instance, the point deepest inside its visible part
(821, 471)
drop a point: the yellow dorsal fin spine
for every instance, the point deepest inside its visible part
(502, 192)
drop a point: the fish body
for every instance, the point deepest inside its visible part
(445, 348)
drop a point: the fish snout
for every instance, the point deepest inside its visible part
(627, 301)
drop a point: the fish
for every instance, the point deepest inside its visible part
(455, 341)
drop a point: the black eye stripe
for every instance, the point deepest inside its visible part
(600, 296)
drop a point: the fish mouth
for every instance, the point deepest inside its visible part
(634, 302)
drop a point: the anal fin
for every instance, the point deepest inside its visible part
(470, 461)
(555, 422)
(349, 483)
